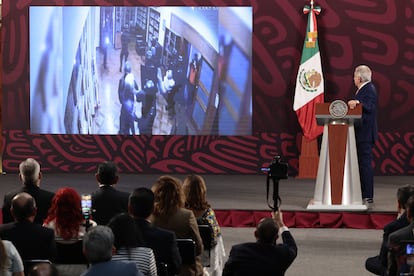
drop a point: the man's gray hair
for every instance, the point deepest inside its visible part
(29, 171)
(98, 243)
(364, 72)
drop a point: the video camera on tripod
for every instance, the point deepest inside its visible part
(276, 171)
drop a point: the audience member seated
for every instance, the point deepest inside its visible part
(169, 213)
(263, 257)
(398, 237)
(98, 247)
(378, 264)
(43, 269)
(162, 242)
(30, 176)
(130, 246)
(108, 201)
(31, 240)
(65, 216)
(10, 261)
(195, 191)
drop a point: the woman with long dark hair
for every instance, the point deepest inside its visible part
(129, 244)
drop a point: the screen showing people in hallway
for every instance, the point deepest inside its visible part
(140, 70)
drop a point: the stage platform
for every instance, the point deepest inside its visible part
(240, 200)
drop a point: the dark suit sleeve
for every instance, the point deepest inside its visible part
(228, 269)
(290, 244)
(388, 230)
(51, 246)
(368, 100)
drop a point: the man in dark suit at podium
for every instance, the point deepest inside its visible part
(366, 132)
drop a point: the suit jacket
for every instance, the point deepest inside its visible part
(31, 240)
(257, 258)
(184, 224)
(107, 202)
(42, 197)
(366, 130)
(163, 243)
(394, 241)
(391, 227)
(113, 268)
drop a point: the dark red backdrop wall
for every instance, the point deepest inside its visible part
(351, 32)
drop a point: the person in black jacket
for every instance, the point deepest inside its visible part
(123, 57)
(108, 201)
(263, 257)
(32, 241)
(31, 176)
(378, 264)
(162, 242)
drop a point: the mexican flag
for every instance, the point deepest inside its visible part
(309, 82)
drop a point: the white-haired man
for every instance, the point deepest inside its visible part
(30, 176)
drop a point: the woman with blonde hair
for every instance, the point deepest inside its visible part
(195, 192)
(169, 213)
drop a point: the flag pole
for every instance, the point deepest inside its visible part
(309, 150)
(308, 158)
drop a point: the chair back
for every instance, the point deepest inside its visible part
(28, 264)
(205, 234)
(187, 250)
(162, 269)
(70, 252)
(404, 257)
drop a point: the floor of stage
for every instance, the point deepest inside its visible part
(226, 192)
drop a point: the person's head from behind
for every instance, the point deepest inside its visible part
(29, 172)
(266, 231)
(66, 212)
(141, 203)
(195, 190)
(98, 244)
(409, 207)
(403, 194)
(168, 194)
(107, 173)
(126, 234)
(129, 81)
(23, 207)
(127, 68)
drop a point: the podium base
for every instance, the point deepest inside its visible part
(336, 207)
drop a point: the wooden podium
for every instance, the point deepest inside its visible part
(338, 186)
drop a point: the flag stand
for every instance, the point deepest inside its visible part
(308, 158)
